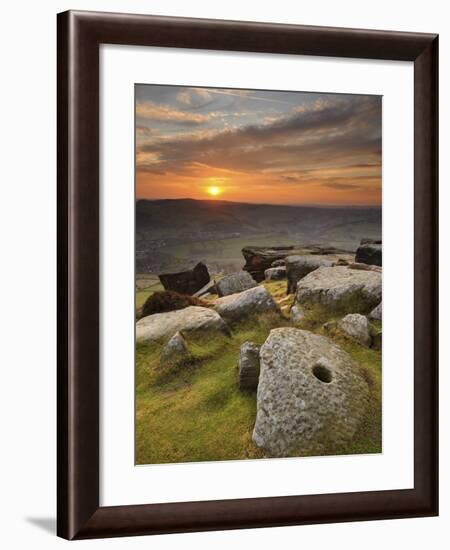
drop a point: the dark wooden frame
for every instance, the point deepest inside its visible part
(79, 37)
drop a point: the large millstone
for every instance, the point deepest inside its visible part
(162, 326)
(310, 394)
(249, 303)
(340, 288)
(298, 267)
(186, 282)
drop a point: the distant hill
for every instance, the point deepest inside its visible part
(174, 233)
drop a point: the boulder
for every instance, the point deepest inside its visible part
(364, 267)
(369, 254)
(236, 282)
(175, 351)
(186, 282)
(275, 273)
(260, 258)
(162, 326)
(244, 304)
(209, 288)
(298, 267)
(356, 327)
(341, 289)
(376, 313)
(297, 313)
(249, 366)
(310, 394)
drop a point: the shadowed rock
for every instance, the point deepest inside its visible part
(249, 303)
(376, 313)
(310, 393)
(175, 351)
(186, 282)
(369, 254)
(260, 258)
(236, 282)
(162, 326)
(298, 267)
(249, 366)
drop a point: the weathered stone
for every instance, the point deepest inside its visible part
(298, 267)
(275, 273)
(297, 313)
(236, 282)
(340, 288)
(278, 263)
(310, 394)
(209, 288)
(186, 282)
(356, 327)
(365, 267)
(244, 304)
(370, 241)
(369, 254)
(249, 366)
(376, 313)
(175, 351)
(260, 258)
(162, 326)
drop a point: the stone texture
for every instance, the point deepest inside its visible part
(162, 326)
(260, 258)
(209, 288)
(370, 241)
(278, 263)
(186, 282)
(175, 351)
(236, 282)
(376, 313)
(356, 327)
(275, 273)
(249, 366)
(369, 254)
(297, 313)
(340, 288)
(246, 304)
(310, 393)
(298, 267)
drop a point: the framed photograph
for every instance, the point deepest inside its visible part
(247, 275)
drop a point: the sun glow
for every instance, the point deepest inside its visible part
(214, 190)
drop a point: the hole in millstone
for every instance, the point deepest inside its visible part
(322, 373)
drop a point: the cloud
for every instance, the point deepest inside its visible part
(164, 113)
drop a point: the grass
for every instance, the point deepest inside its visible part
(196, 412)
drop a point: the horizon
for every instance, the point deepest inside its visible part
(258, 147)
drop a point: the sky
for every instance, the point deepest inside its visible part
(258, 146)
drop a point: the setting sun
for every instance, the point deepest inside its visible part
(214, 190)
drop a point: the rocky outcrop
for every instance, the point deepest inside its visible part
(260, 258)
(298, 267)
(186, 282)
(376, 313)
(297, 314)
(341, 289)
(249, 366)
(278, 263)
(162, 326)
(310, 394)
(236, 282)
(174, 352)
(356, 327)
(249, 303)
(369, 253)
(275, 273)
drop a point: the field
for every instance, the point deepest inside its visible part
(197, 412)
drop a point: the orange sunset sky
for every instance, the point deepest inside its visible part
(257, 146)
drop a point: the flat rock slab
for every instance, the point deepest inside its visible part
(245, 304)
(298, 267)
(340, 288)
(236, 282)
(310, 393)
(162, 326)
